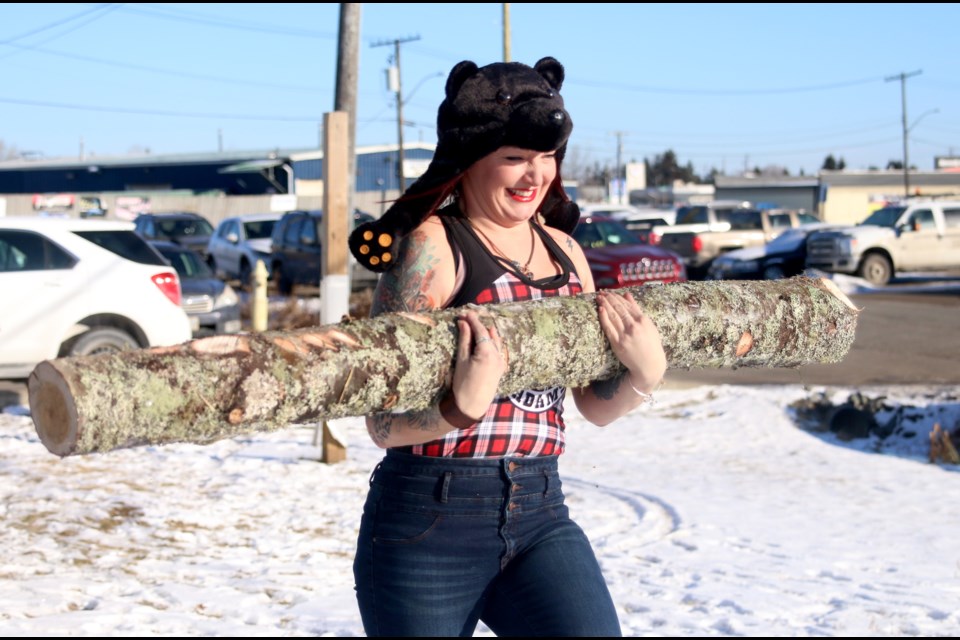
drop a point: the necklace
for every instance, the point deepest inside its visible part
(525, 269)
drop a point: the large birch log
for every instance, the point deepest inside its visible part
(221, 386)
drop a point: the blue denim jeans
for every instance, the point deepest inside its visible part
(446, 542)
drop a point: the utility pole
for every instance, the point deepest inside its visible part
(621, 179)
(395, 80)
(506, 32)
(902, 77)
(348, 56)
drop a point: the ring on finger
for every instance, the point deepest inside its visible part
(482, 340)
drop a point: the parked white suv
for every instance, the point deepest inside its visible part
(77, 287)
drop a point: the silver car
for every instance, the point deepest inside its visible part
(237, 244)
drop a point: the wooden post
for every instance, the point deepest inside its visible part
(259, 307)
(335, 278)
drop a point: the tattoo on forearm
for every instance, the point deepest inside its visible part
(382, 425)
(606, 389)
(406, 286)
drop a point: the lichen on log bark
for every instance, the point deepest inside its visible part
(221, 386)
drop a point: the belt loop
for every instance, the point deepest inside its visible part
(546, 482)
(445, 488)
(374, 472)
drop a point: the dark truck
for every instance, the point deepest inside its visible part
(730, 230)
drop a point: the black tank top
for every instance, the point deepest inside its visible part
(527, 423)
(482, 268)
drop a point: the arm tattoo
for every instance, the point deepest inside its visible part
(606, 389)
(383, 424)
(569, 245)
(406, 286)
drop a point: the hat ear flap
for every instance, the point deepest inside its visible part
(458, 75)
(375, 244)
(552, 70)
(559, 212)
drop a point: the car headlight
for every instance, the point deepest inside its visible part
(227, 298)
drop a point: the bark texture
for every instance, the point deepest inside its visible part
(221, 386)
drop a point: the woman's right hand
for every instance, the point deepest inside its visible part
(480, 365)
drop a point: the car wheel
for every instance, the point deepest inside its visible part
(284, 282)
(773, 272)
(245, 273)
(102, 340)
(876, 269)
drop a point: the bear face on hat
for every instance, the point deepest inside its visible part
(485, 108)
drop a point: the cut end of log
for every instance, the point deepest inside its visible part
(830, 286)
(53, 410)
(745, 344)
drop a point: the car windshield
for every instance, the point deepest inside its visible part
(256, 230)
(743, 219)
(125, 244)
(787, 241)
(188, 264)
(886, 217)
(180, 228)
(604, 233)
(692, 215)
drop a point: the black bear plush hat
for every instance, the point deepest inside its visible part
(501, 104)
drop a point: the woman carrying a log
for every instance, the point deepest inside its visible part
(465, 518)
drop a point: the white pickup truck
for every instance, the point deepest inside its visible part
(915, 236)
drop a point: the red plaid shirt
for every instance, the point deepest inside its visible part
(528, 423)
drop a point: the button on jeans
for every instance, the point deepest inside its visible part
(445, 542)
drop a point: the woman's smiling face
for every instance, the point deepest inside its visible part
(509, 184)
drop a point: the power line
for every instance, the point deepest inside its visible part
(57, 23)
(103, 9)
(164, 12)
(160, 112)
(718, 92)
(176, 74)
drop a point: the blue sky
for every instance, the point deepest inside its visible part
(723, 85)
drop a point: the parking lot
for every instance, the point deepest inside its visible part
(907, 333)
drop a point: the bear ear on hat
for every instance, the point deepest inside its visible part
(552, 70)
(458, 75)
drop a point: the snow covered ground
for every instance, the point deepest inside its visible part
(712, 513)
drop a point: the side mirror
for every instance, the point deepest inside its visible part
(233, 238)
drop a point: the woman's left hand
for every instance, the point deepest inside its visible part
(634, 339)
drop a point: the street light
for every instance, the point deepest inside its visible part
(906, 134)
(902, 77)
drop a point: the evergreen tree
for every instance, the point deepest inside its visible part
(829, 163)
(665, 169)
